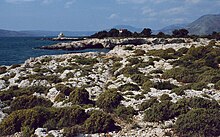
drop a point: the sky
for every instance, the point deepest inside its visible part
(93, 15)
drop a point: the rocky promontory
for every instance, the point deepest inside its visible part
(147, 87)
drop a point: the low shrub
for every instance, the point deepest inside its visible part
(164, 85)
(116, 66)
(198, 102)
(129, 87)
(148, 103)
(99, 122)
(139, 78)
(139, 97)
(80, 96)
(25, 102)
(60, 97)
(128, 71)
(126, 113)
(199, 122)
(85, 61)
(217, 85)
(159, 112)
(180, 90)
(147, 85)
(128, 48)
(2, 69)
(133, 61)
(165, 97)
(139, 52)
(64, 89)
(109, 100)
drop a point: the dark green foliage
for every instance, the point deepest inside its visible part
(139, 78)
(139, 97)
(199, 122)
(60, 97)
(79, 96)
(147, 85)
(148, 103)
(180, 33)
(109, 100)
(70, 116)
(2, 69)
(64, 89)
(128, 71)
(165, 97)
(50, 78)
(126, 113)
(99, 122)
(25, 102)
(116, 66)
(164, 85)
(85, 61)
(159, 112)
(31, 118)
(129, 87)
(165, 54)
(180, 90)
(139, 52)
(46, 59)
(198, 102)
(134, 61)
(183, 50)
(198, 86)
(15, 92)
(217, 85)
(146, 32)
(128, 48)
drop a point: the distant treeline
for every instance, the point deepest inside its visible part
(147, 32)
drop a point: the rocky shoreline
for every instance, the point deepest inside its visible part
(119, 69)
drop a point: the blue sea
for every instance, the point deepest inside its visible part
(15, 50)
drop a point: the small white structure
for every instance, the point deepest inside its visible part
(61, 35)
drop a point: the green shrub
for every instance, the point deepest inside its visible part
(60, 97)
(139, 78)
(133, 61)
(159, 112)
(199, 122)
(109, 100)
(128, 48)
(217, 85)
(116, 66)
(99, 122)
(2, 69)
(126, 113)
(183, 50)
(198, 102)
(70, 116)
(46, 59)
(164, 85)
(24, 102)
(147, 85)
(180, 90)
(64, 89)
(139, 97)
(139, 52)
(79, 96)
(32, 118)
(148, 103)
(85, 61)
(128, 71)
(165, 97)
(198, 86)
(165, 54)
(128, 87)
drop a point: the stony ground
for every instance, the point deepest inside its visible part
(100, 71)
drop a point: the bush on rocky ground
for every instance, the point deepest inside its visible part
(2, 69)
(25, 102)
(85, 61)
(64, 89)
(99, 122)
(164, 85)
(128, 87)
(129, 70)
(109, 100)
(148, 103)
(165, 97)
(79, 96)
(139, 52)
(139, 78)
(199, 122)
(125, 113)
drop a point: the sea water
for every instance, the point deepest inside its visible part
(15, 50)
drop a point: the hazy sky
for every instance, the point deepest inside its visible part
(100, 14)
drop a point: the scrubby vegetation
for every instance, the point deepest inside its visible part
(109, 100)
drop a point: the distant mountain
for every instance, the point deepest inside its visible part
(169, 29)
(205, 25)
(40, 33)
(128, 27)
(9, 33)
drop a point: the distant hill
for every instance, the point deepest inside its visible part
(9, 33)
(169, 29)
(205, 25)
(128, 27)
(40, 33)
